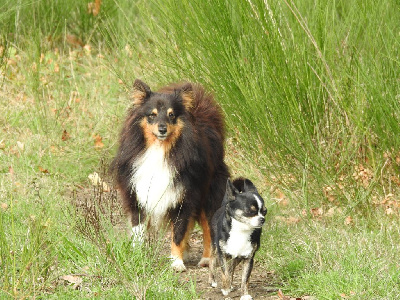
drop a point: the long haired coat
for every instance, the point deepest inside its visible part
(170, 167)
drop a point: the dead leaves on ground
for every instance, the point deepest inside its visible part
(317, 213)
(43, 170)
(65, 136)
(281, 296)
(390, 204)
(4, 206)
(98, 141)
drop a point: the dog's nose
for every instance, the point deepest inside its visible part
(162, 129)
(262, 220)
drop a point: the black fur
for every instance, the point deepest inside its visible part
(239, 204)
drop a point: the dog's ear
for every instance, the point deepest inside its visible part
(140, 92)
(231, 191)
(249, 186)
(187, 95)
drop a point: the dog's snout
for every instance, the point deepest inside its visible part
(262, 221)
(162, 128)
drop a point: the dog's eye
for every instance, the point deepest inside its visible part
(152, 115)
(253, 208)
(171, 115)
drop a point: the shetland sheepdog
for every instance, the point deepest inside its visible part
(170, 167)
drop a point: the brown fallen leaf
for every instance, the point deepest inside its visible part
(74, 40)
(98, 143)
(76, 280)
(45, 171)
(282, 296)
(11, 171)
(65, 136)
(317, 211)
(348, 220)
(4, 206)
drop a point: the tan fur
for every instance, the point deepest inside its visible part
(206, 235)
(177, 251)
(139, 92)
(175, 133)
(188, 98)
(149, 131)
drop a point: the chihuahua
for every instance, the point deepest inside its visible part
(236, 231)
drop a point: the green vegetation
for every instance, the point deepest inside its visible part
(310, 90)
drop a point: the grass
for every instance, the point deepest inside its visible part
(310, 91)
(325, 258)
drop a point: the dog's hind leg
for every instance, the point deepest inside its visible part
(205, 259)
(179, 242)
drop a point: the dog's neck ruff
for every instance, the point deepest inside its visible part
(238, 243)
(153, 182)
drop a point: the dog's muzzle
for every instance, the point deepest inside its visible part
(162, 132)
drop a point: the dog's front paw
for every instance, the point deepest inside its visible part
(246, 297)
(213, 283)
(204, 262)
(178, 265)
(225, 292)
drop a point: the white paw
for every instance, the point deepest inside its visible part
(178, 265)
(214, 284)
(246, 297)
(225, 292)
(137, 235)
(204, 262)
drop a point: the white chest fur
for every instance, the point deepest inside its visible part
(239, 243)
(153, 181)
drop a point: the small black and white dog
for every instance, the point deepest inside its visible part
(236, 231)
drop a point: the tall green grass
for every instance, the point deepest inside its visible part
(310, 88)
